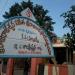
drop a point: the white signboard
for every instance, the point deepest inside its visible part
(21, 37)
(27, 13)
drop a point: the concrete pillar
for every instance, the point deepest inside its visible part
(49, 69)
(10, 67)
(33, 70)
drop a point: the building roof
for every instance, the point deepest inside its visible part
(59, 43)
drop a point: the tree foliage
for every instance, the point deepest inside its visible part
(69, 17)
(38, 11)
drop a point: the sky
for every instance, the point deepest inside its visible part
(55, 8)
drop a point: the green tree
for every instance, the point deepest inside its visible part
(38, 11)
(69, 18)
